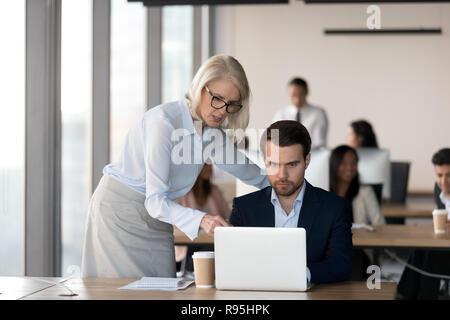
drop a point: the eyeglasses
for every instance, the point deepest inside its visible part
(218, 103)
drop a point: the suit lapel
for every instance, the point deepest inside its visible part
(310, 207)
(267, 219)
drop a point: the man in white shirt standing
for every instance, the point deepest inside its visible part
(312, 117)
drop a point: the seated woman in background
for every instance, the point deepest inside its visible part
(364, 207)
(361, 135)
(207, 197)
(344, 181)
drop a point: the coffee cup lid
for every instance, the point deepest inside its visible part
(440, 211)
(203, 255)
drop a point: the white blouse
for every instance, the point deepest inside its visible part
(162, 156)
(366, 208)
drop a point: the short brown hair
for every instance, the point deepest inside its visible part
(299, 82)
(442, 157)
(289, 133)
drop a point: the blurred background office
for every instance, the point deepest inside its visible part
(75, 75)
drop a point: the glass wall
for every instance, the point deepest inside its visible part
(177, 51)
(128, 69)
(128, 103)
(12, 136)
(76, 107)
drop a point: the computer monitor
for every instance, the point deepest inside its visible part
(318, 171)
(374, 166)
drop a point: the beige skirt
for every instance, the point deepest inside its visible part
(122, 240)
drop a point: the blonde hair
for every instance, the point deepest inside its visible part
(227, 68)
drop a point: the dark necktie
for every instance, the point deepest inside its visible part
(298, 117)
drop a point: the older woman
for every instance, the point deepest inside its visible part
(129, 230)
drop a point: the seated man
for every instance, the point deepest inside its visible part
(415, 286)
(292, 202)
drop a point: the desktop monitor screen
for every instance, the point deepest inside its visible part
(318, 172)
(374, 166)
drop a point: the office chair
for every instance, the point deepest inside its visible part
(399, 187)
(399, 181)
(437, 199)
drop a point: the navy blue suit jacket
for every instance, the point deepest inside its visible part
(326, 219)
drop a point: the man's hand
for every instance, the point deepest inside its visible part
(210, 222)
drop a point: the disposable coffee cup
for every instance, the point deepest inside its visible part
(440, 217)
(204, 269)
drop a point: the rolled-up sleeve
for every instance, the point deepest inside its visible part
(157, 156)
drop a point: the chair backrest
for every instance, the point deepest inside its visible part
(377, 189)
(399, 181)
(437, 199)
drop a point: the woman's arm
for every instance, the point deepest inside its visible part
(236, 162)
(158, 146)
(372, 207)
(158, 161)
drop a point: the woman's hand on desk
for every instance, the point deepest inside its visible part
(210, 222)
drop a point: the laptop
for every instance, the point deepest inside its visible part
(255, 258)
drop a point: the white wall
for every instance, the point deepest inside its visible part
(400, 83)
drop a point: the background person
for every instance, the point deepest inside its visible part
(129, 231)
(361, 135)
(441, 162)
(413, 285)
(344, 181)
(312, 117)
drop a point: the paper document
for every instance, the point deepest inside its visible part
(155, 283)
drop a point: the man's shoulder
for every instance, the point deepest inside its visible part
(329, 206)
(317, 109)
(324, 196)
(251, 197)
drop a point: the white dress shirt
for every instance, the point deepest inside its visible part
(446, 201)
(152, 162)
(284, 220)
(312, 117)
